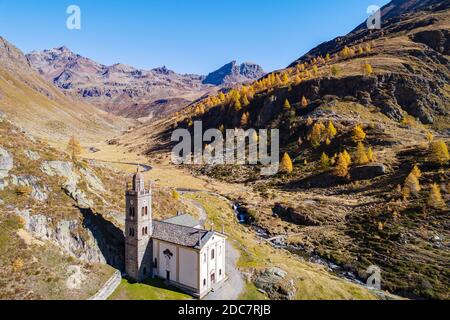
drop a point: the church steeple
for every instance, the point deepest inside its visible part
(138, 228)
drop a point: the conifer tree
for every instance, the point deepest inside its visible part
(74, 148)
(439, 152)
(358, 134)
(304, 102)
(286, 164)
(411, 186)
(325, 161)
(341, 169)
(315, 70)
(331, 130)
(416, 172)
(309, 121)
(361, 155)
(284, 78)
(435, 198)
(316, 134)
(367, 68)
(347, 157)
(287, 105)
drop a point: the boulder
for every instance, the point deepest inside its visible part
(32, 155)
(274, 282)
(367, 172)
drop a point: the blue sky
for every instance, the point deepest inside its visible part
(188, 36)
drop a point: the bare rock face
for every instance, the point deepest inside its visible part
(6, 163)
(39, 191)
(66, 170)
(34, 156)
(65, 234)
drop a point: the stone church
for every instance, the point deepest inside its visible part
(177, 250)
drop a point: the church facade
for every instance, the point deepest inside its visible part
(177, 250)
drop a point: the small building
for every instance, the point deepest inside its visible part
(177, 249)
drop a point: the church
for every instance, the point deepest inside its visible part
(177, 250)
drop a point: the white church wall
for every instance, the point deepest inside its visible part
(166, 264)
(189, 268)
(212, 263)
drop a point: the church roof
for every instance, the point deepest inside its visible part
(184, 220)
(180, 235)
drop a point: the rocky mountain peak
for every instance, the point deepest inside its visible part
(233, 73)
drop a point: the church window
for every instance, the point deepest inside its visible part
(155, 263)
(204, 282)
(220, 272)
(204, 258)
(146, 211)
(131, 212)
(142, 211)
(212, 254)
(146, 230)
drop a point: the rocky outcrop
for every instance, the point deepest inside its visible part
(39, 192)
(6, 163)
(275, 282)
(65, 234)
(367, 172)
(32, 155)
(294, 215)
(232, 73)
(70, 186)
(438, 40)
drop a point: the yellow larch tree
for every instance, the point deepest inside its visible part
(74, 148)
(358, 134)
(360, 155)
(325, 161)
(286, 164)
(435, 199)
(341, 169)
(287, 105)
(304, 102)
(439, 152)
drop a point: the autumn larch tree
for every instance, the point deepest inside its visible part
(316, 135)
(347, 157)
(335, 70)
(325, 161)
(435, 198)
(439, 152)
(287, 105)
(341, 169)
(358, 134)
(411, 186)
(331, 130)
(286, 164)
(367, 68)
(74, 148)
(304, 102)
(360, 155)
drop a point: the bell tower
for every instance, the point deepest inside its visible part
(138, 229)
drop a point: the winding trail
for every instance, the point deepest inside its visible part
(145, 168)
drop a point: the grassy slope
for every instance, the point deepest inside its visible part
(151, 289)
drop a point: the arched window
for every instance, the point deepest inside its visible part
(131, 212)
(212, 254)
(204, 258)
(146, 211)
(155, 263)
(143, 231)
(142, 211)
(146, 230)
(220, 272)
(204, 282)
